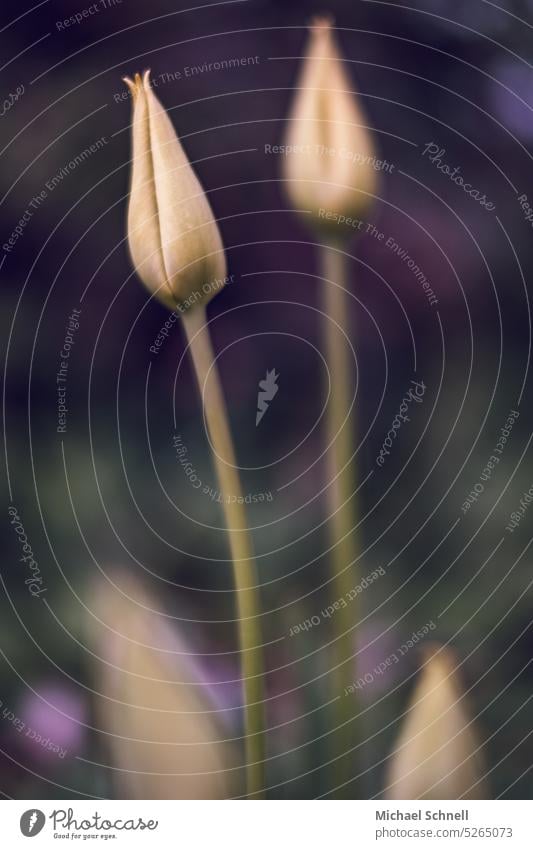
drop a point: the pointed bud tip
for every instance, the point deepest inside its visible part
(428, 651)
(435, 651)
(130, 83)
(137, 82)
(321, 24)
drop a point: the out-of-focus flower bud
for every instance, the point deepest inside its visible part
(437, 752)
(329, 152)
(173, 237)
(160, 721)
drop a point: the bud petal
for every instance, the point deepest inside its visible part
(330, 154)
(436, 755)
(173, 237)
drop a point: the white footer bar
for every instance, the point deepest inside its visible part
(266, 825)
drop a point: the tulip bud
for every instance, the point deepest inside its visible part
(174, 240)
(155, 708)
(437, 752)
(329, 153)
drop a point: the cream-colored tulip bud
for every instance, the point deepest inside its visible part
(173, 237)
(437, 752)
(329, 155)
(158, 714)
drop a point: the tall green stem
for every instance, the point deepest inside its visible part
(244, 568)
(341, 498)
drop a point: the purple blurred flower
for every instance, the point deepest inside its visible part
(374, 666)
(54, 718)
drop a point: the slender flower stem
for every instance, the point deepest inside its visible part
(245, 573)
(341, 498)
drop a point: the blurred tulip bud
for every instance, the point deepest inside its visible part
(437, 752)
(173, 237)
(329, 153)
(154, 706)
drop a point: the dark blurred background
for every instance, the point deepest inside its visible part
(108, 494)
